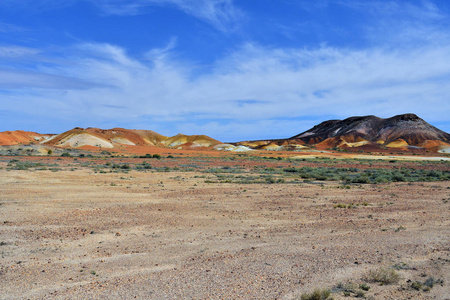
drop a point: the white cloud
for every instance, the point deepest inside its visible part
(253, 92)
(158, 54)
(16, 51)
(11, 79)
(399, 22)
(34, 5)
(258, 89)
(221, 14)
(6, 27)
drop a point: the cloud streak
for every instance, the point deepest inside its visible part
(252, 92)
(270, 83)
(221, 14)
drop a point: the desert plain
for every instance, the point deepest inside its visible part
(218, 227)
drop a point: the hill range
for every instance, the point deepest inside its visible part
(369, 133)
(405, 132)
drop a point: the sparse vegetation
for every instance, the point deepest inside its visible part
(26, 165)
(402, 266)
(383, 276)
(360, 210)
(427, 285)
(416, 285)
(400, 228)
(317, 294)
(360, 294)
(364, 287)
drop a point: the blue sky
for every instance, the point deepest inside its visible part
(233, 70)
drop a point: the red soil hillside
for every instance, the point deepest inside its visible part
(119, 138)
(21, 137)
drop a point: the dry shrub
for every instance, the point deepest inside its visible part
(317, 294)
(382, 276)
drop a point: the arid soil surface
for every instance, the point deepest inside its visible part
(77, 233)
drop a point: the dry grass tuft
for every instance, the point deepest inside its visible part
(382, 276)
(317, 294)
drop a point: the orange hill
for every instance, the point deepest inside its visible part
(119, 137)
(405, 132)
(21, 137)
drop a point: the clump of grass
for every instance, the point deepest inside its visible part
(317, 294)
(430, 282)
(364, 286)
(427, 285)
(351, 288)
(402, 266)
(417, 285)
(340, 205)
(360, 294)
(383, 276)
(400, 228)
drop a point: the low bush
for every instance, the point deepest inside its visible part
(382, 276)
(317, 294)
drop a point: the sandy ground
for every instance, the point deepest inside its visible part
(86, 235)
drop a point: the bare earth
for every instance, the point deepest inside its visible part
(85, 235)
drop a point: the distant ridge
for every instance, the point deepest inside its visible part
(408, 127)
(401, 131)
(19, 137)
(406, 132)
(120, 137)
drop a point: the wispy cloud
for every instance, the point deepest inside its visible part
(252, 92)
(158, 54)
(401, 22)
(420, 11)
(221, 14)
(271, 83)
(6, 28)
(12, 79)
(34, 5)
(16, 51)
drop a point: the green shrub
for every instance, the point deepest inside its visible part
(364, 286)
(382, 276)
(144, 166)
(340, 205)
(430, 282)
(360, 294)
(270, 179)
(317, 294)
(416, 285)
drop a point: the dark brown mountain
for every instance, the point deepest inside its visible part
(401, 131)
(407, 127)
